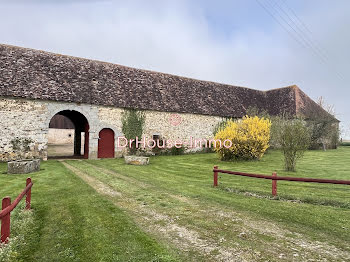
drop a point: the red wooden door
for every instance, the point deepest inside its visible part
(106, 143)
(86, 143)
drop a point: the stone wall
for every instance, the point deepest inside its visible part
(179, 126)
(22, 118)
(169, 126)
(61, 136)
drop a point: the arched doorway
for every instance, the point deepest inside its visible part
(106, 143)
(68, 135)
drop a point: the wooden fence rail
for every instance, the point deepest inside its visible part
(274, 178)
(7, 207)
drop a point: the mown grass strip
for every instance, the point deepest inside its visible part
(74, 223)
(328, 223)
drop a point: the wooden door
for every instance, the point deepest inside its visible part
(86, 142)
(106, 143)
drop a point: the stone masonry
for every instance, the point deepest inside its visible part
(23, 118)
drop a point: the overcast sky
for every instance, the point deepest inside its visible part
(234, 42)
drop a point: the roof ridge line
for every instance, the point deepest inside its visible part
(125, 66)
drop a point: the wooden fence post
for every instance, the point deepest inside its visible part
(215, 176)
(5, 221)
(29, 193)
(274, 185)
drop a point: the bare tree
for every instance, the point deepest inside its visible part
(324, 127)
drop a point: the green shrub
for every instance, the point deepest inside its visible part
(132, 126)
(177, 151)
(159, 150)
(221, 125)
(206, 148)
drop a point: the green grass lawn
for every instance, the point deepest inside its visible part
(74, 223)
(104, 210)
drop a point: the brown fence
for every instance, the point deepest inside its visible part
(274, 178)
(7, 207)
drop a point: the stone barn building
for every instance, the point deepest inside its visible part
(39, 88)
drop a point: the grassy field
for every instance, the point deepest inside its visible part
(72, 222)
(104, 210)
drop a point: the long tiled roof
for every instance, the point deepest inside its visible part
(34, 74)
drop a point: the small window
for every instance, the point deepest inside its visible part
(69, 135)
(156, 137)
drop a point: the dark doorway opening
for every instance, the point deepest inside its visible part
(68, 135)
(106, 143)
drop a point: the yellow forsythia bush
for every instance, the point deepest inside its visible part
(249, 139)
